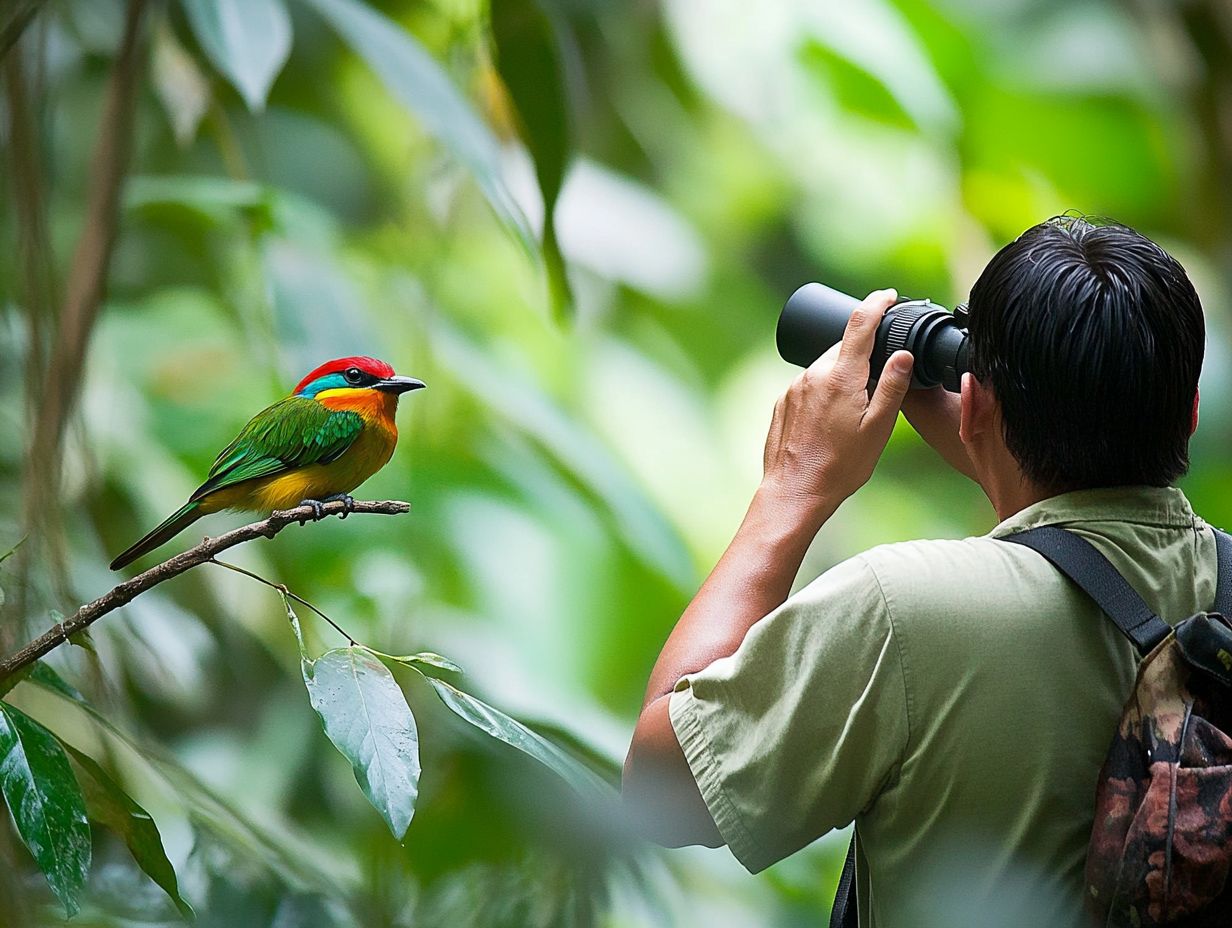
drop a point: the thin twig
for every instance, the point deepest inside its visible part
(34, 276)
(173, 567)
(285, 591)
(16, 22)
(87, 276)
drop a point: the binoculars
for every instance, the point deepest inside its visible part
(815, 316)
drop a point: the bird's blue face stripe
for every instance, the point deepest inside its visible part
(328, 382)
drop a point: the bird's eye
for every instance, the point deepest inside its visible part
(354, 375)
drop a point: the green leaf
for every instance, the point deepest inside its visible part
(296, 629)
(212, 199)
(421, 85)
(7, 684)
(109, 805)
(43, 674)
(46, 804)
(214, 813)
(509, 730)
(529, 62)
(365, 715)
(247, 40)
(83, 640)
(426, 658)
(600, 762)
(179, 84)
(554, 264)
(854, 89)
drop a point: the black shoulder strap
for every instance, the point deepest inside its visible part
(1081, 562)
(844, 913)
(1223, 588)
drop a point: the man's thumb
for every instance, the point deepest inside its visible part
(891, 387)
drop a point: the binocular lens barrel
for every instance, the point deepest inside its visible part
(815, 317)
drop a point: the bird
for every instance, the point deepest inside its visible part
(332, 433)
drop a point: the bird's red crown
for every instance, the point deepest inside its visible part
(373, 366)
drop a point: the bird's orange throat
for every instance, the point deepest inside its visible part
(376, 407)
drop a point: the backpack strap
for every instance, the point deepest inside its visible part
(1223, 589)
(1079, 560)
(843, 914)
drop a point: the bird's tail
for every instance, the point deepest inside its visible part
(170, 527)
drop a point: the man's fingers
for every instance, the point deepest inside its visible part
(824, 363)
(861, 329)
(887, 398)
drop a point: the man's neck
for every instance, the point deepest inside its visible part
(999, 475)
(1015, 497)
(1006, 486)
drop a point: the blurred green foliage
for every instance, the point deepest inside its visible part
(312, 178)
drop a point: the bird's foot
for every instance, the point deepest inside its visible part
(347, 500)
(318, 510)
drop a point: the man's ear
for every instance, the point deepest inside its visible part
(978, 408)
(1193, 421)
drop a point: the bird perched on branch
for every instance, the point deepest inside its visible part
(330, 435)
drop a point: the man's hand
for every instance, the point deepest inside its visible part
(827, 432)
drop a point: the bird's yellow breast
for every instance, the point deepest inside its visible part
(370, 451)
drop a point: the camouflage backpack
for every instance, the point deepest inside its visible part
(1161, 846)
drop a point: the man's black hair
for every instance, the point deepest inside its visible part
(1091, 338)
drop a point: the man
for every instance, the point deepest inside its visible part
(954, 698)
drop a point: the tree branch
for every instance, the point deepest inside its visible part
(201, 554)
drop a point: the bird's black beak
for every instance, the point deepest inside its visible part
(398, 385)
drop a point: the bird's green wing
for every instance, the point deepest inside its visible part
(294, 432)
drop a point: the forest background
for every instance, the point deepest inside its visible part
(204, 199)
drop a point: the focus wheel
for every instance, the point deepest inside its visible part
(900, 328)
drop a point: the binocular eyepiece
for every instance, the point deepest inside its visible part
(815, 316)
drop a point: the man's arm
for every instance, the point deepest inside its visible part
(752, 578)
(825, 438)
(934, 414)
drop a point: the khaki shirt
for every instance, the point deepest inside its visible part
(954, 698)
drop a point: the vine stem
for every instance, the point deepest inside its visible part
(172, 567)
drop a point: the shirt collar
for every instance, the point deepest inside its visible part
(1166, 506)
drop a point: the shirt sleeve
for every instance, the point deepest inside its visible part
(801, 728)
